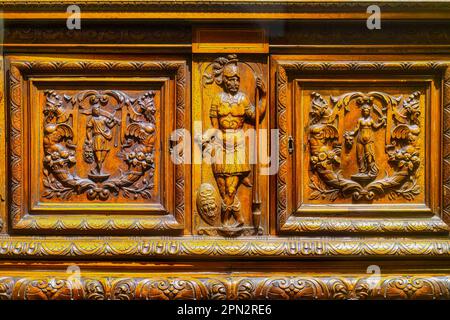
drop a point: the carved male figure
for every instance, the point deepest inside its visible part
(230, 110)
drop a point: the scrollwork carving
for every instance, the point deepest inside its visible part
(6, 288)
(403, 151)
(137, 116)
(47, 289)
(222, 286)
(20, 70)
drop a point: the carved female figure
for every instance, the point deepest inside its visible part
(98, 134)
(364, 132)
(230, 110)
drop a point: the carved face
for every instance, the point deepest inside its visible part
(231, 78)
(96, 110)
(231, 84)
(209, 205)
(365, 110)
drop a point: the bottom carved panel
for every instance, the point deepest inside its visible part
(156, 286)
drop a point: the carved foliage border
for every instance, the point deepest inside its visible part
(220, 287)
(285, 222)
(188, 248)
(3, 180)
(446, 148)
(20, 220)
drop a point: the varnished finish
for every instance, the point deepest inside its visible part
(289, 76)
(87, 181)
(213, 248)
(55, 175)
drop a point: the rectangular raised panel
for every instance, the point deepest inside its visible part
(89, 145)
(361, 144)
(229, 189)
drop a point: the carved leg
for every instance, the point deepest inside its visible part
(225, 210)
(232, 185)
(360, 154)
(372, 167)
(236, 211)
(225, 216)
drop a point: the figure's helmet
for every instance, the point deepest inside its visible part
(231, 70)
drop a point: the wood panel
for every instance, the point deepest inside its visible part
(347, 171)
(90, 145)
(230, 190)
(92, 205)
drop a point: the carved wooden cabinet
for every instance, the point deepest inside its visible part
(244, 150)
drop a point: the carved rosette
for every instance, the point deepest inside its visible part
(134, 130)
(400, 115)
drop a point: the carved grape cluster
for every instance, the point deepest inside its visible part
(325, 158)
(59, 159)
(407, 158)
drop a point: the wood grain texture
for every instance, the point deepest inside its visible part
(287, 286)
(117, 248)
(290, 217)
(177, 95)
(3, 177)
(225, 9)
(273, 248)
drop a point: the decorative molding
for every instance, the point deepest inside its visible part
(296, 224)
(402, 125)
(446, 148)
(225, 249)
(229, 10)
(396, 34)
(161, 34)
(225, 4)
(20, 219)
(366, 226)
(290, 286)
(3, 148)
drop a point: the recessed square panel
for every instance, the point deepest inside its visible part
(364, 145)
(98, 143)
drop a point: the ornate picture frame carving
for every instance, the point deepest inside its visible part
(329, 219)
(20, 73)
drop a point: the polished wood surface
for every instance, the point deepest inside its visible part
(355, 121)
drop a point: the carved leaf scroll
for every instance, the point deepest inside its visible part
(131, 125)
(403, 151)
